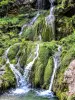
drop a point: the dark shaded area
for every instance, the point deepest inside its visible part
(70, 12)
(42, 4)
(46, 4)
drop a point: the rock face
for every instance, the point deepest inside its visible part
(64, 12)
(69, 77)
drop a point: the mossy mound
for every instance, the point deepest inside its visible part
(42, 68)
(68, 54)
(7, 79)
(64, 26)
(13, 51)
(48, 73)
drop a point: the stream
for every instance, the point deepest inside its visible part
(29, 96)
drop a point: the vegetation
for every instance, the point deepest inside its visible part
(13, 15)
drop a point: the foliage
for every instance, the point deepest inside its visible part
(5, 2)
(8, 79)
(68, 54)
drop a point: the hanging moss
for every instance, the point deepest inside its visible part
(13, 52)
(68, 54)
(48, 73)
(8, 79)
(47, 34)
(42, 68)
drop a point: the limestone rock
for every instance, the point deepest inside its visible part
(69, 77)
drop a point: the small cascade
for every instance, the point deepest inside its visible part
(17, 74)
(50, 19)
(56, 59)
(30, 23)
(29, 66)
(22, 80)
(21, 85)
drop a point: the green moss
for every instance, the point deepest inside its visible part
(68, 54)
(13, 61)
(63, 95)
(38, 80)
(64, 27)
(38, 27)
(29, 33)
(1, 51)
(48, 72)
(8, 21)
(31, 49)
(22, 54)
(47, 34)
(8, 79)
(59, 83)
(13, 51)
(32, 32)
(2, 61)
(41, 70)
(40, 65)
(72, 97)
(5, 2)
(44, 55)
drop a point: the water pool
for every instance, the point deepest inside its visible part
(29, 96)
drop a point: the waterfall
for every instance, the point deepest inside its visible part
(29, 66)
(19, 78)
(30, 23)
(56, 59)
(22, 80)
(51, 18)
(17, 74)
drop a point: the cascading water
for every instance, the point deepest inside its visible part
(22, 83)
(29, 66)
(30, 23)
(56, 59)
(50, 19)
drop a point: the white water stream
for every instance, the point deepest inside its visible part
(23, 80)
(22, 83)
(50, 19)
(30, 23)
(56, 59)
(29, 66)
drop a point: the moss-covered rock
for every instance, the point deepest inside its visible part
(64, 27)
(48, 73)
(39, 27)
(64, 12)
(2, 61)
(13, 51)
(42, 68)
(7, 79)
(68, 54)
